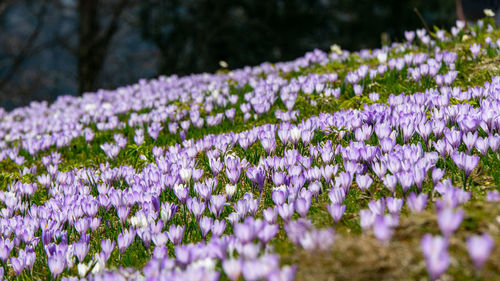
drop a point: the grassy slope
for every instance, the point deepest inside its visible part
(355, 255)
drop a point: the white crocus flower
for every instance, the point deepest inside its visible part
(82, 269)
(489, 13)
(185, 174)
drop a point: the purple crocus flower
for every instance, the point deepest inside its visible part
(465, 162)
(6, 246)
(270, 215)
(125, 239)
(480, 248)
(344, 180)
(302, 206)
(437, 175)
(205, 225)
(475, 49)
(364, 181)
(417, 203)
(57, 263)
(196, 206)
(482, 145)
(394, 205)
(435, 250)
(381, 229)
(377, 207)
(175, 234)
(233, 169)
(232, 268)
(17, 264)
(217, 203)
(257, 176)
(278, 196)
(449, 221)
(107, 247)
(336, 211)
(218, 227)
(286, 211)
(81, 250)
(493, 196)
(287, 273)
(379, 169)
(167, 210)
(406, 179)
(244, 232)
(267, 233)
(367, 218)
(318, 239)
(278, 178)
(123, 212)
(390, 181)
(469, 140)
(337, 195)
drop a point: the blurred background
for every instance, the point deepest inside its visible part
(68, 47)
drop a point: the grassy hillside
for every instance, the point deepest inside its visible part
(373, 165)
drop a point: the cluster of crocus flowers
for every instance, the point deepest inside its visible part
(212, 206)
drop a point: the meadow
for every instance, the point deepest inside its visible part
(378, 164)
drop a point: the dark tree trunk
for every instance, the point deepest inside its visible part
(88, 66)
(94, 41)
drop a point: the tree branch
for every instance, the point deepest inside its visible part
(113, 25)
(25, 50)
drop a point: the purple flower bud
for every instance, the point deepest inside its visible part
(337, 195)
(302, 206)
(367, 218)
(218, 227)
(270, 215)
(336, 211)
(286, 211)
(232, 268)
(482, 145)
(390, 182)
(377, 207)
(364, 181)
(267, 233)
(175, 234)
(278, 178)
(493, 196)
(381, 229)
(217, 203)
(278, 196)
(480, 248)
(394, 205)
(106, 248)
(18, 265)
(436, 255)
(417, 203)
(125, 239)
(475, 49)
(449, 221)
(81, 250)
(205, 225)
(244, 232)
